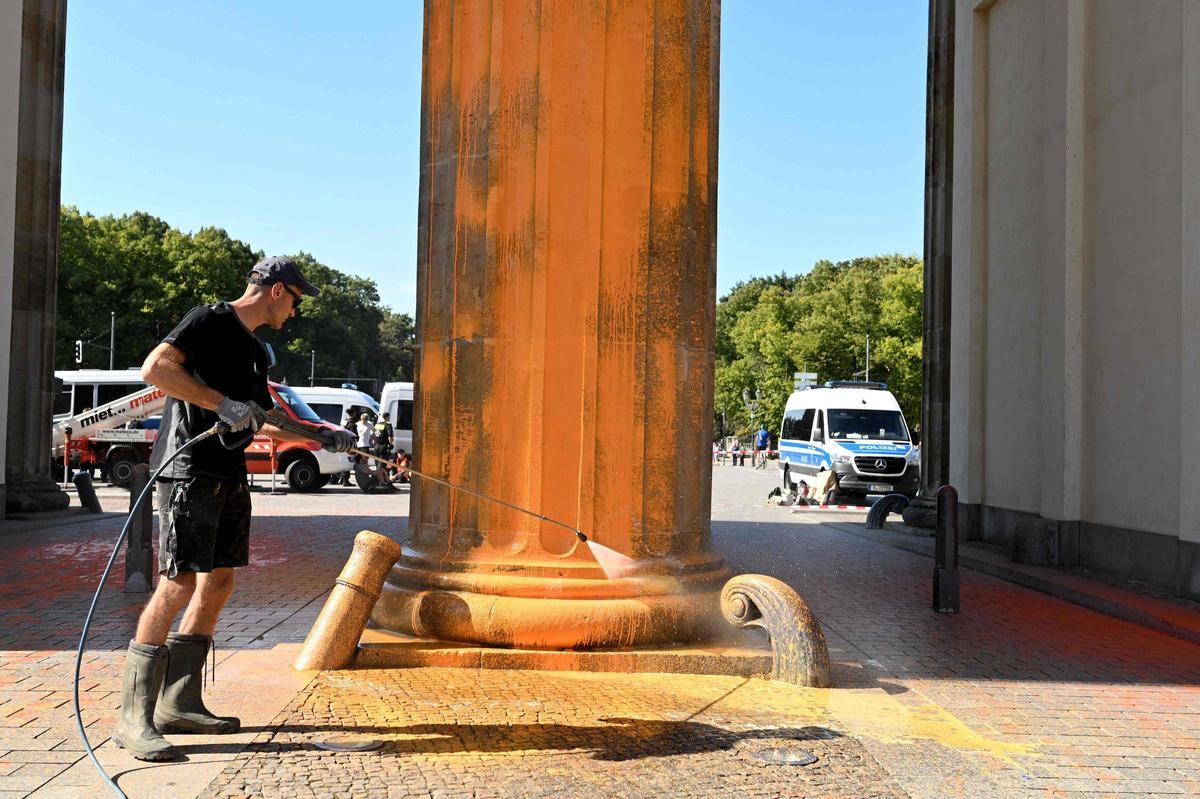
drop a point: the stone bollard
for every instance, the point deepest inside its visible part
(332, 641)
(87, 494)
(799, 654)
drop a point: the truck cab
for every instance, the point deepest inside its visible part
(304, 464)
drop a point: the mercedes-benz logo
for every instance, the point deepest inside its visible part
(880, 464)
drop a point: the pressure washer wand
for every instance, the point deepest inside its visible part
(284, 422)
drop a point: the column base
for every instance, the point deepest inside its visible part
(533, 611)
(921, 512)
(33, 495)
(743, 654)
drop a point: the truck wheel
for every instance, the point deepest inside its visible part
(120, 468)
(303, 474)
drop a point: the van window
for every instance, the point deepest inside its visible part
(62, 401)
(798, 424)
(864, 424)
(404, 415)
(85, 397)
(114, 391)
(330, 412)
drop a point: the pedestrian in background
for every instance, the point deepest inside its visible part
(762, 440)
(366, 433)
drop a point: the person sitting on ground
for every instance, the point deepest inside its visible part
(404, 460)
(372, 478)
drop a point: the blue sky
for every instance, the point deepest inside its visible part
(294, 126)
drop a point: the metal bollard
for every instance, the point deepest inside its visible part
(87, 494)
(139, 548)
(945, 549)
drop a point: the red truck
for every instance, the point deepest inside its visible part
(118, 436)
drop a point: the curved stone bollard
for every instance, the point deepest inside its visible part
(799, 653)
(877, 515)
(332, 641)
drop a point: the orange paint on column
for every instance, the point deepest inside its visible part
(566, 280)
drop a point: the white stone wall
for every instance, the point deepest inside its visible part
(1075, 360)
(10, 81)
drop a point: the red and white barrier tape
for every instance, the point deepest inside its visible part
(798, 508)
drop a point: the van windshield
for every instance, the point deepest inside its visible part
(297, 405)
(867, 424)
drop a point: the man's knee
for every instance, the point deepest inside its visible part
(218, 581)
(176, 591)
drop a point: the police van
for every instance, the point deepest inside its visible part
(855, 429)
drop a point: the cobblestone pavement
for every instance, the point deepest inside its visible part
(1019, 695)
(456, 733)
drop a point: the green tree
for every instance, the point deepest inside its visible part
(770, 328)
(151, 274)
(397, 335)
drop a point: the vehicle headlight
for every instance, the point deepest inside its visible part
(913, 456)
(841, 459)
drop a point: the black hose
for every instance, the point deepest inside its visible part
(87, 622)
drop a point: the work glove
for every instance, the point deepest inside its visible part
(240, 415)
(337, 440)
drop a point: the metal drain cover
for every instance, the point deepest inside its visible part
(785, 756)
(350, 744)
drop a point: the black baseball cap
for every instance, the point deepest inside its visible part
(277, 269)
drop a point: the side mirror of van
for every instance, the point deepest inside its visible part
(818, 435)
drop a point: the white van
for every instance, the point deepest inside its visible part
(80, 389)
(333, 404)
(397, 399)
(857, 430)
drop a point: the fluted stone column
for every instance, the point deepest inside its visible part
(565, 316)
(939, 183)
(31, 102)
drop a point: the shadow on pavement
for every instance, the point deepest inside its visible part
(618, 740)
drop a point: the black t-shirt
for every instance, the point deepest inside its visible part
(225, 356)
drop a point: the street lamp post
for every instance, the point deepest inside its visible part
(752, 406)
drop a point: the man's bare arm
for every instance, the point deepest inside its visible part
(164, 368)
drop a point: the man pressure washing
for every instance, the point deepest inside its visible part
(214, 371)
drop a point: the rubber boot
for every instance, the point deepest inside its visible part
(181, 708)
(145, 667)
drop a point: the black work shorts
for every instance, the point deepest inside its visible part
(204, 524)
